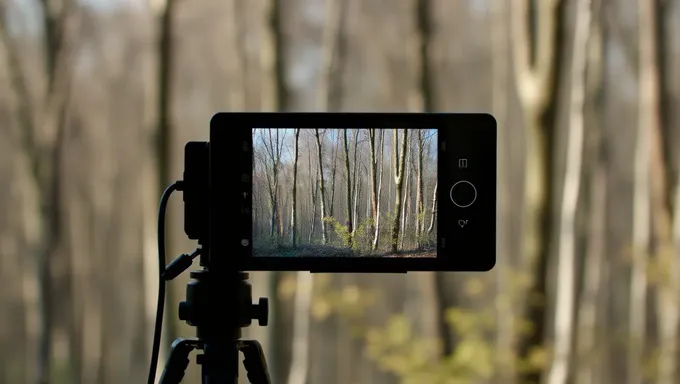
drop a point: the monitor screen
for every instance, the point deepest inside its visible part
(344, 192)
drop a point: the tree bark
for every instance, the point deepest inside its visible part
(538, 60)
(374, 176)
(420, 200)
(434, 208)
(566, 263)
(313, 177)
(406, 203)
(594, 260)
(398, 158)
(647, 121)
(505, 367)
(355, 184)
(653, 33)
(334, 169)
(293, 213)
(322, 190)
(381, 165)
(329, 95)
(348, 189)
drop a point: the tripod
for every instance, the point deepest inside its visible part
(219, 306)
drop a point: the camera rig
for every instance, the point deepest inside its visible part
(218, 305)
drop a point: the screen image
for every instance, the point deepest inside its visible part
(344, 192)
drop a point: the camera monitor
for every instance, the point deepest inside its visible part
(321, 192)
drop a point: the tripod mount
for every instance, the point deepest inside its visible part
(219, 307)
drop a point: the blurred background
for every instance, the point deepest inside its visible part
(98, 97)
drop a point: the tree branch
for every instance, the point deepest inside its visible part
(521, 47)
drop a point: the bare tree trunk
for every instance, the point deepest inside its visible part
(593, 267)
(647, 120)
(374, 176)
(334, 169)
(163, 133)
(299, 367)
(420, 200)
(381, 165)
(355, 184)
(332, 56)
(434, 208)
(398, 158)
(405, 205)
(348, 187)
(315, 186)
(322, 191)
(41, 138)
(237, 62)
(293, 213)
(538, 58)
(357, 198)
(667, 296)
(566, 263)
(505, 367)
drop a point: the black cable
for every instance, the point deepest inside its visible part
(158, 327)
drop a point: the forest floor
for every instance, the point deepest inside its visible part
(317, 250)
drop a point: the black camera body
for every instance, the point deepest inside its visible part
(453, 155)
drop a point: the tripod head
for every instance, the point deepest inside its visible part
(219, 308)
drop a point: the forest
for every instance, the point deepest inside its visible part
(320, 193)
(99, 97)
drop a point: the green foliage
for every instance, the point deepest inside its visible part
(397, 349)
(342, 231)
(363, 237)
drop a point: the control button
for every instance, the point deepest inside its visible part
(245, 195)
(245, 177)
(245, 242)
(463, 194)
(462, 223)
(462, 163)
(245, 210)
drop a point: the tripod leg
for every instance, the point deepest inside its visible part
(255, 362)
(219, 363)
(178, 361)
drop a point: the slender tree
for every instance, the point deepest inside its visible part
(314, 180)
(374, 175)
(652, 40)
(334, 169)
(420, 200)
(322, 190)
(647, 121)
(538, 39)
(348, 186)
(596, 202)
(566, 279)
(398, 159)
(434, 208)
(293, 212)
(356, 183)
(381, 167)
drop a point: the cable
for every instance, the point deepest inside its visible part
(158, 327)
